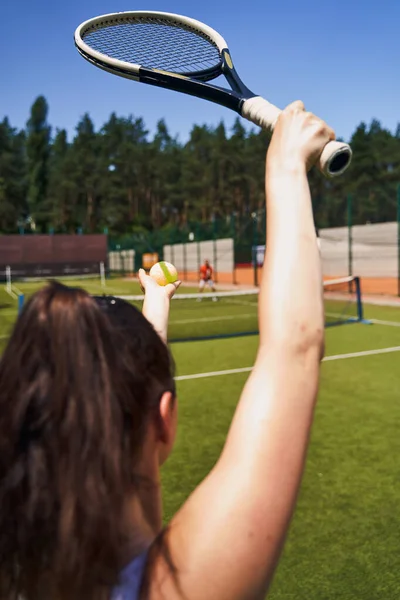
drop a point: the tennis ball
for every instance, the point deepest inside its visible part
(164, 273)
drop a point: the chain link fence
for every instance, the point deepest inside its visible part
(368, 250)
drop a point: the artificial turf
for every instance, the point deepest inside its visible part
(344, 542)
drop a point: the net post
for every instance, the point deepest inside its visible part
(398, 240)
(21, 301)
(360, 310)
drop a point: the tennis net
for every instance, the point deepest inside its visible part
(343, 301)
(234, 313)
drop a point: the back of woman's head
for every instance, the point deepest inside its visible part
(79, 380)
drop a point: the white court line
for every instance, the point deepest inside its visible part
(340, 315)
(363, 353)
(213, 374)
(376, 321)
(327, 358)
(207, 319)
(11, 293)
(389, 323)
(243, 303)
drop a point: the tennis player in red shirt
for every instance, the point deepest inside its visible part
(206, 278)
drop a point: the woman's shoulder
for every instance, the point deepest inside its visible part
(131, 579)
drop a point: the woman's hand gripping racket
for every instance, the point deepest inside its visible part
(183, 54)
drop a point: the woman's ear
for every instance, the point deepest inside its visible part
(167, 419)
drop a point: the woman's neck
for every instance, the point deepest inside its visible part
(144, 513)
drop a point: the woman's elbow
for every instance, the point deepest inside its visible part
(302, 340)
(308, 338)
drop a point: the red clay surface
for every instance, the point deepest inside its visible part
(245, 276)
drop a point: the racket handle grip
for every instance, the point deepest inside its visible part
(335, 157)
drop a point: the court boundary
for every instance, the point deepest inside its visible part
(333, 357)
(389, 323)
(376, 321)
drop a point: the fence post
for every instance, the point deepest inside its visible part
(198, 247)
(233, 231)
(264, 225)
(398, 240)
(172, 242)
(215, 259)
(184, 250)
(350, 233)
(254, 249)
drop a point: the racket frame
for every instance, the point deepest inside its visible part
(335, 157)
(193, 84)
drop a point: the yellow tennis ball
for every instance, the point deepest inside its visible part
(164, 273)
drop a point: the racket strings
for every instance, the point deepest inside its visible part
(155, 44)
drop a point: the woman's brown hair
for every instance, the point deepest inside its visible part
(79, 379)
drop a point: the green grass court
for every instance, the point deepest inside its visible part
(345, 538)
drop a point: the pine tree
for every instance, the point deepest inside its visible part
(121, 178)
(38, 151)
(62, 190)
(88, 174)
(13, 178)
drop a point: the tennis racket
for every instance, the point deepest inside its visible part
(184, 55)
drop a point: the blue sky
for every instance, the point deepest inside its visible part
(341, 58)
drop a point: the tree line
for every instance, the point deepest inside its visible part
(122, 180)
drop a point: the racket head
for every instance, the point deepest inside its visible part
(123, 43)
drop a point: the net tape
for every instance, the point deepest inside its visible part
(193, 296)
(237, 293)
